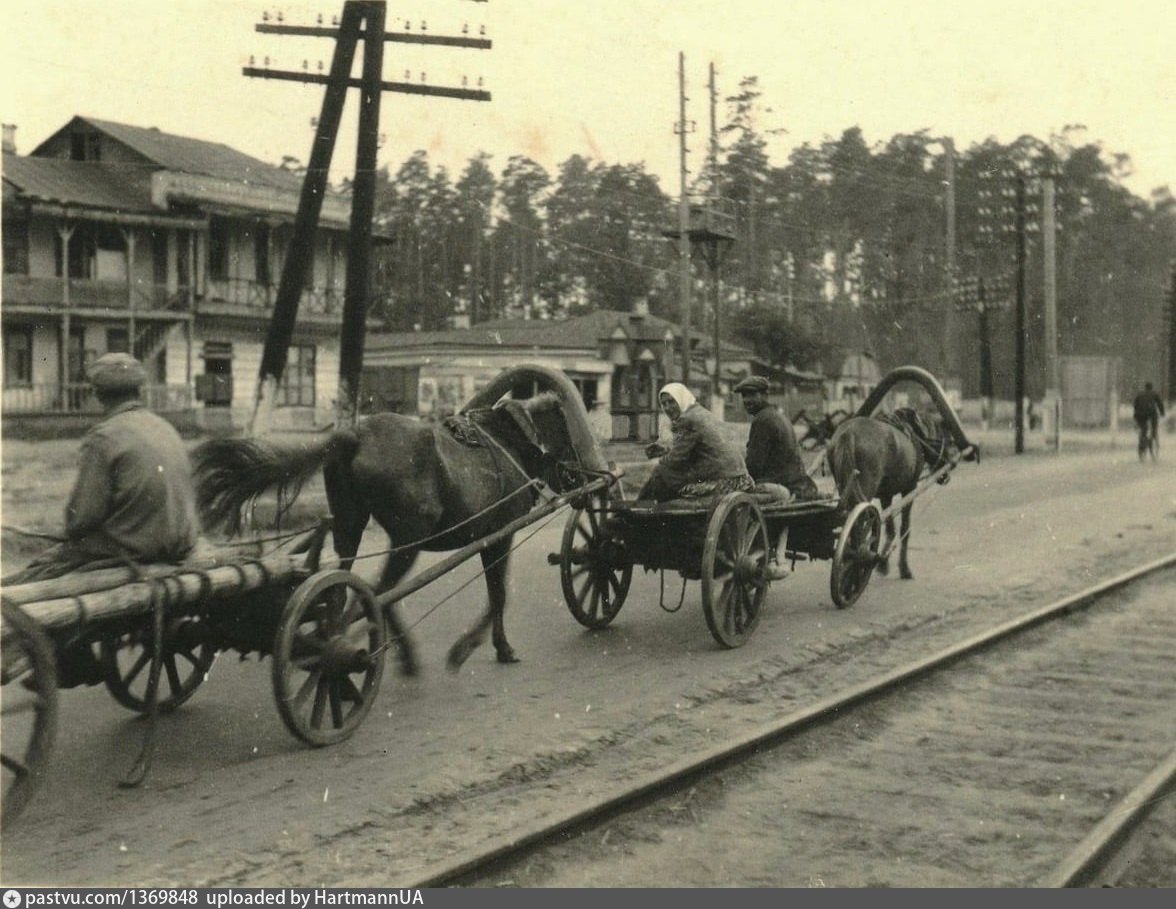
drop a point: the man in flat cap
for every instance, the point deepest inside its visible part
(133, 498)
(773, 455)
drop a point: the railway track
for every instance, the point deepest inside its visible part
(1021, 756)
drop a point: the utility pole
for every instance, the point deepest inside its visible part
(714, 175)
(1053, 389)
(683, 223)
(1019, 368)
(1168, 341)
(949, 353)
(361, 19)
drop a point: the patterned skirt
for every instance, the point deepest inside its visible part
(717, 487)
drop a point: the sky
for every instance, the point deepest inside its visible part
(601, 79)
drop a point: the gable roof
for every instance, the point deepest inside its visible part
(187, 155)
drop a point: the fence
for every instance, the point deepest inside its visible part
(78, 397)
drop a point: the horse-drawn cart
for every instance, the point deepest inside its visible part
(150, 635)
(737, 544)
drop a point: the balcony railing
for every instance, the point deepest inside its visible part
(78, 397)
(83, 293)
(255, 295)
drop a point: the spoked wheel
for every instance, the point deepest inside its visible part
(856, 554)
(594, 570)
(126, 663)
(29, 708)
(328, 657)
(734, 569)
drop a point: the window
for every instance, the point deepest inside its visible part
(297, 386)
(117, 340)
(18, 356)
(261, 264)
(81, 252)
(78, 357)
(218, 248)
(16, 248)
(85, 146)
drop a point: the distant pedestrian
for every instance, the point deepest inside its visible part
(1148, 407)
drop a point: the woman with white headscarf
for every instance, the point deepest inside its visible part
(699, 461)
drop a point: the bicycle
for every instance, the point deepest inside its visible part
(1149, 441)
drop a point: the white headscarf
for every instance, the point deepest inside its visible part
(679, 393)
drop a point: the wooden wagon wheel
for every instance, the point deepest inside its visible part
(856, 554)
(594, 571)
(734, 569)
(126, 663)
(29, 709)
(328, 657)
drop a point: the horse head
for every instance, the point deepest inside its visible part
(927, 431)
(548, 447)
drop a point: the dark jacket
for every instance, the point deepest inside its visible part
(699, 452)
(134, 493)
(773, 455)
(1148, 406)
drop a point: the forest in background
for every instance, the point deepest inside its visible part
(843, 247)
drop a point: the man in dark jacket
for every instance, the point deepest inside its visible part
(1148, 408)
(773, 455)
(133, 498)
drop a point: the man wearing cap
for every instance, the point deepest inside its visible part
(773, 456)
(133, 498)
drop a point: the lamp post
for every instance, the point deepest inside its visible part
(708, 235)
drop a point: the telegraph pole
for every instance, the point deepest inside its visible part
(1019, 369)
(1053, 388)
(714, 175)
(683, 223)
(949, 361)
(1168, 341)
(361, 19)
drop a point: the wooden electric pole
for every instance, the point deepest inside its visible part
(1019, 366)
(683, 223)
(361, 19)
(1052, 405)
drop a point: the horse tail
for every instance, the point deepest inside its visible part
(231, 473)
(842, 458)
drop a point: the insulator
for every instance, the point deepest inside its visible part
(465, 28)
(479, 81)
(265, 16)
(407, 26)
(320, 18)
(250, 59)
(482, 31)
(320, 66)
(267, 61)
(279, 15)
(305, 65)
(407, 75)
(335, 20)
(422, 77)
(424, 26)
(464, 81)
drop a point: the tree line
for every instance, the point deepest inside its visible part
(842, 247)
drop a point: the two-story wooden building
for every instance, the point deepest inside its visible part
(121, 238)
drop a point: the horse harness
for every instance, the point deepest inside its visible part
(468, 431)
(929, 453)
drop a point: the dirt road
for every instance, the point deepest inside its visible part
(445, 760)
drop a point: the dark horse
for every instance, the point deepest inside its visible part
(885, 456)
(445, 485)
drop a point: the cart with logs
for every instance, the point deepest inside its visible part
(150, 634)
(734, 544)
